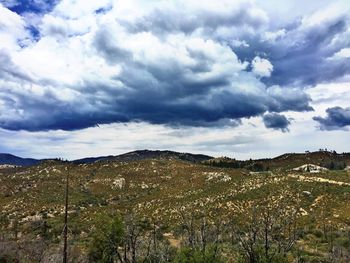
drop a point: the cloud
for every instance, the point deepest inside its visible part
(276, 121)
(288, 99)
(172, 63)
(262, 67)
(300, 51)
(273, 36)
(29, 6)
(9, 3)
(9, 70)
(188, 17)
(343, 53)
(12, 29)
(337, 118)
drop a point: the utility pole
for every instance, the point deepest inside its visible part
(65, 257)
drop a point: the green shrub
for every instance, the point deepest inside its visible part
(105, 240)
(189, 255)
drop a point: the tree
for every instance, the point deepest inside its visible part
(105, 241)
(269, 234)
(201, 237)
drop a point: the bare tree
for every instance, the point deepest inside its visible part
(269, 234)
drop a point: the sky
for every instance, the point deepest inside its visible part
(244, 79)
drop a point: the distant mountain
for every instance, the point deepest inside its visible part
(148, 154)
(6, 158)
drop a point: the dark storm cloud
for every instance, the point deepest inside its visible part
(276, 121)
(168, 92)
(337, 118)
(138, 103)
(64, 120)
(48, 112)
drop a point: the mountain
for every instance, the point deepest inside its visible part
(6, 158)
(148, 154)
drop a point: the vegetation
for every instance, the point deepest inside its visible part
(105, 241)
(171, 210)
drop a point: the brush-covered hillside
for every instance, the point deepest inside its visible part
(178, 208)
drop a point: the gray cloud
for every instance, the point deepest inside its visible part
(276, 121)
(183, 19)
(9, 70)
(284, 99)
(337, 118)
(301, 55)
(106, 44)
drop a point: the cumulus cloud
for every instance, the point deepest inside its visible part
(262, 67)
(187, 16)
(299, 51)
(174, 63)
(273, 36)
(12, 29)
(287, 98)
(337, 118)
(276, 121)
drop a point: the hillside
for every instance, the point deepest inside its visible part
(147, 154)
(165, 191)
(6, 158)
(10, 159)
(287, 161)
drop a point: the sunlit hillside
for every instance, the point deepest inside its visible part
(170, 193)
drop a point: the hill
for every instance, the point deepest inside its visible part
(148, 154)
(327, 159)
(138, 155)
(10, 159)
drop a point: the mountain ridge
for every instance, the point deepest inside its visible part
(6, 158)
(317, 156)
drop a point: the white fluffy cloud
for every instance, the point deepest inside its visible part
(262, 67)
(12, 29)
(343, 53)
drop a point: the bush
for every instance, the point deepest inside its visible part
(188, 255)
(105, 240)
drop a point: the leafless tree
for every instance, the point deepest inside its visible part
(269, 234)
